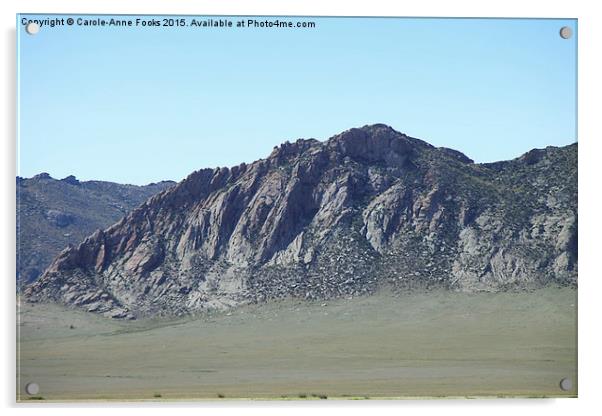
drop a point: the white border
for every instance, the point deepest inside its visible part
(590, 348)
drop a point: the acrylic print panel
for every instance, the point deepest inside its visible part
(295, 208)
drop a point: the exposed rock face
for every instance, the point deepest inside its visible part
(52, 214)
(368, 207)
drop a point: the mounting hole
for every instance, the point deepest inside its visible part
(566, 32)
(566, 384)
(32, 388)
(32, 28)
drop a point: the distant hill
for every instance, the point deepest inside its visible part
(368, 208)
(52, 214)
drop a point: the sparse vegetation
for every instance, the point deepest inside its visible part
(500, 336)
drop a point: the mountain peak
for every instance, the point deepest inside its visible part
(366, 208)
(42, 176)
(71, 180)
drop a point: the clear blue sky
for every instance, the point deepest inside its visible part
(139, 105)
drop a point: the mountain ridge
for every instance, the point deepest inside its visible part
(54, 213)
(366, 208)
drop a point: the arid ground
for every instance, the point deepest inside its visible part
(383, 346)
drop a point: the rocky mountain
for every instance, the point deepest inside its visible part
(368, 208)
(53, 214)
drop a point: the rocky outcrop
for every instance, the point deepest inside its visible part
(59, 218)
(52, 214)
(370, 207)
